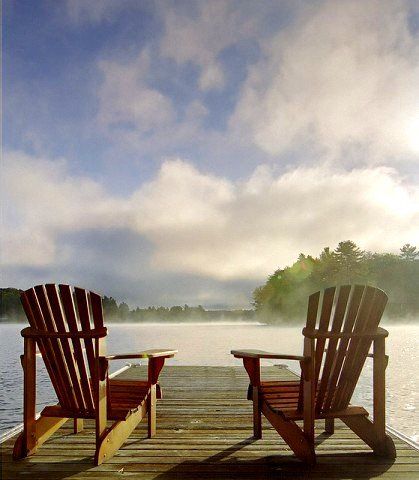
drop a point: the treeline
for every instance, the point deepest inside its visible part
(11, 311)
(283, 298)
(121, 312)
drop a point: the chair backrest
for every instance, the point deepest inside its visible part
(70, 359)
(353, 314)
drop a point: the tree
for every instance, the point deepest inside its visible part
(284, 294)
(123, 311)
(176, 311)
(325, 269)
(10, 305)
(110, 307)
(409, 252)
(349, 259)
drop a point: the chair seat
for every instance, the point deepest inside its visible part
(282, 398)
(124, 398)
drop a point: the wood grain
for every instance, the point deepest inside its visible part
(204, 431)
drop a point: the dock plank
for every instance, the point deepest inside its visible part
(204, 432)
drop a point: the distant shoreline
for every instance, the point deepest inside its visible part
(185, 322)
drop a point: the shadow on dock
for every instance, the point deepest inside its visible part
(220, 466)
(204, 427)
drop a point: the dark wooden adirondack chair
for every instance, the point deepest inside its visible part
(342, 323)
(67, 326)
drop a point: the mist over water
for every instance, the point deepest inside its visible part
(204, 343)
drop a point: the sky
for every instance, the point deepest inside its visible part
(172, 152)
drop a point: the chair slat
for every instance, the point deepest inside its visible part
(313, 305)
(70, 313)
(97, 309)
(62, 373)
(338, 317)
(84, 316)
(325, 315)
(379, 301)
(37, 321)
(43, 344)
(347, 373)
(354, 349)
(60, 323)
(349, 321)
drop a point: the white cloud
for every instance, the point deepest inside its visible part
(42, 200)
(344, 74)
(178, 199)
(206, 225)
(138, 117)
(267, 220)
(126, 98)
(199, 37)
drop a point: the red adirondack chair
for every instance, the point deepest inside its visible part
(67, 326)
(342, 323)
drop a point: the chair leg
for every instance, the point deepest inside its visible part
(42, 429)
(116, 435)
(329, 425)
(367, 431)
(293, 435)
(151, 407)
(78, 425)
(257, 414)
(35, 431)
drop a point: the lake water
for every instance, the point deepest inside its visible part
(210, 344)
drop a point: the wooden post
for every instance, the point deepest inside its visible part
(252, 366)
(152, 411)
(35, 432)
(329, 425)
(257, 413)
(29, 396)
(78, 425)
(379, 368)
(307, 371)
(155, 366)
(100, 392)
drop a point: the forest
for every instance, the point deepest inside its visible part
(283, 297)
(11, 311)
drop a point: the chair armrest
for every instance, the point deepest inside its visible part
(153, 353)
(262, 354)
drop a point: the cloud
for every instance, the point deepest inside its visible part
(94, 11)
(41, 199)
(333, 81)
(246, 229)
(127, 100)
(342, 78)
(200, 34)
(136, 116)
(204, 225)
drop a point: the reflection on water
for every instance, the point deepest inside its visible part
(210, 344)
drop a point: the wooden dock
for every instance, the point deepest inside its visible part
(204, 431)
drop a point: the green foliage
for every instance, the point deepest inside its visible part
(284, 295)
(10, 306)
(409, 252)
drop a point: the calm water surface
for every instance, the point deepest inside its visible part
(210, 344)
